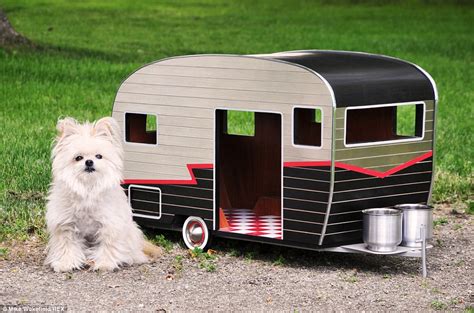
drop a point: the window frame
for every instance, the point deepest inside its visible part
(383, 142)
(293, 127)
(125, 128)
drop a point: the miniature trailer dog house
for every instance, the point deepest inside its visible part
(326, 143)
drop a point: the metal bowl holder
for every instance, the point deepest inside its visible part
(403, 251)
(423, 249)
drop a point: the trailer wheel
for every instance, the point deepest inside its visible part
(195, 233)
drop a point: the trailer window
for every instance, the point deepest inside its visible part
(307, 127)
(141, 128)
(388, 123)
(240, 123)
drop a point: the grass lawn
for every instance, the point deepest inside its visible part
(88, 47)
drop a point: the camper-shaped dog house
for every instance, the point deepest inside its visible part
(331, 133)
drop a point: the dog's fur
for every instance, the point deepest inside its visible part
(88, 217)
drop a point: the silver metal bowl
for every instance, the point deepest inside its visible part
(416, 216)
(382, 230)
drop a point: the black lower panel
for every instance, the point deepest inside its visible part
(305, 216)
(176, 200)
(303, 226)
(305, 201)
(341, 227)
(354, 192)
(345, 217)
(375, 202)
(301, 237)
(343, 239)
(305, 198)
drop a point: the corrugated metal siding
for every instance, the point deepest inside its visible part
(184, 92)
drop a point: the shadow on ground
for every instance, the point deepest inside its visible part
(297, 258)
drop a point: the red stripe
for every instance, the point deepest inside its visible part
(358, 169)
(369, 171)
(346, 166)
(409, 163)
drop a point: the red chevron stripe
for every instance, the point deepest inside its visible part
(386, 173)
(346, 166)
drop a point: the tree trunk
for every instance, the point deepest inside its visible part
(8, 36)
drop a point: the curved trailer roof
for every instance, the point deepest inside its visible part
(363, 79)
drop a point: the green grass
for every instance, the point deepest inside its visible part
(206, 260)
(440, 221)
(470, 207)
(86, 48)
(438, 305)
(178, 264)
(280, 261)
(241, 123)
(3, 252)
(469, 309)
(406, 120)
(163, 242)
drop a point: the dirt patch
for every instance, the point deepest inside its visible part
(245, 276)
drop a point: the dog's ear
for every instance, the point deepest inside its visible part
(66, 127)
(108, 128)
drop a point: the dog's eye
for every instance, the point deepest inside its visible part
(79, 157)
(99, 156)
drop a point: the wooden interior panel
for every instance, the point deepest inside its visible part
(250, 166)
(369, 125)
(306, 130)
(223, 196)
(268, 206)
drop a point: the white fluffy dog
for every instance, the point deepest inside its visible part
(88, 217)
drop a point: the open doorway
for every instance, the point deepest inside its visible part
(249, 172)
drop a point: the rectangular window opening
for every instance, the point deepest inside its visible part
(241, 123)
(381, 124)
(141, 128)
(307, 127)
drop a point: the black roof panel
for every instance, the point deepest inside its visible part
(364, 79)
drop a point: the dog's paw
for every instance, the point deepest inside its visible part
(141, 258)
(65, 265)
(150, 253)
(104, 265)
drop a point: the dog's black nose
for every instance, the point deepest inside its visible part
(89, 163)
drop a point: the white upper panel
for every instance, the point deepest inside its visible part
(184, 93)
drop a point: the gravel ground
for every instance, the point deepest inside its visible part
(245, 276)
